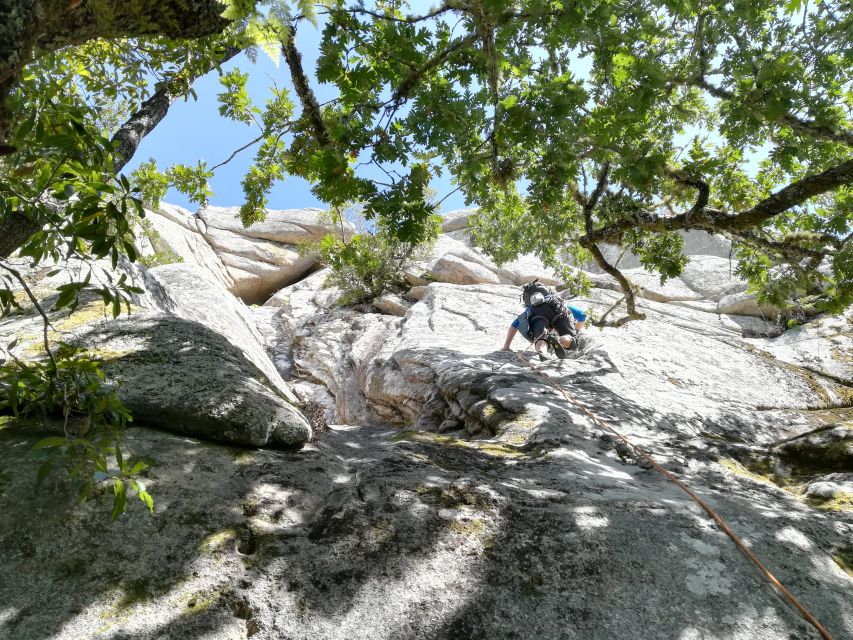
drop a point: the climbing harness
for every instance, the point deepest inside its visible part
(713, 514)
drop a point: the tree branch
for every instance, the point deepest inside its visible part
(785, 247)
(713, 220)
(128, 137)
(627, 286)
(600, 186)
(807, 127)
(45, 320)
(310, 107)
(47, 25)
(405, 19)
(16, 229)
(405, 87)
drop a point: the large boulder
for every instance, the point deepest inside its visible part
(456, 270)
(712, 277)
(192, 294)
(176, 235)
(456, 220)
(823, 346)
(182, 376)
(188, 358)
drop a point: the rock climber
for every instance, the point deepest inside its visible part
(547, 311)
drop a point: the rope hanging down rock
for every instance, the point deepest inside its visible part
(720, 522)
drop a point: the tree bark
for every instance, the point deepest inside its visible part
(15, 230)
(27, 26)
(310, 106)
(128, 137)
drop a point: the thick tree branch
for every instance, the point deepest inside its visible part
(128, 137)
(792, 195)
(27, 26)
(627, 286)
(600, 186)
(17, 228)
(713, 220)
(404, 89)
(449, 6)
(63, 23)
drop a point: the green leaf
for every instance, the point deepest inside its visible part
(119, 499)
(138, 468)
(49, 443)
(148, 500)
(44, 470)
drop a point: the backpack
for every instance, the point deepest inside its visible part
(533, 287)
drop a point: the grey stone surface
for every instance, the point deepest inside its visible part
(180, 375)
(824, 345)
(456, 270)
(745, 304)
(456, 220)
(474, 500)
(194, 295)
(376, 535)
(191, 359)
(391, 304)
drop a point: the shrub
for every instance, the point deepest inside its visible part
(372, 261)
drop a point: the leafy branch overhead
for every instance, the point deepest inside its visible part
(575, 125)
(730, 118)
(727, 118)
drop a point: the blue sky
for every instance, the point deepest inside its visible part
(194, 130)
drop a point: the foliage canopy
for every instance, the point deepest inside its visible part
(567, 123)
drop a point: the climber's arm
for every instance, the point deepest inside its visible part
(510, 334)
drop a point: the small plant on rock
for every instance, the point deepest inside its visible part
(372, 261)
(66, 391)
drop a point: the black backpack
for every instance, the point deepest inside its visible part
(533, 287)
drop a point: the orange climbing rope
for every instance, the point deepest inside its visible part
(722, 524)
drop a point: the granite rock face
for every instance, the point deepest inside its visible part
(252, 263)
(462, 491)
(179, 375)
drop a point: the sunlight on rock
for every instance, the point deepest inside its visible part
(588, 518)
(795, 537)
(413, 593)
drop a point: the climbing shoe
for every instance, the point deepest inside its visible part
(559, 350)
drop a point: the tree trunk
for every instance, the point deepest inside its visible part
(15, 230)
(27, 26)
